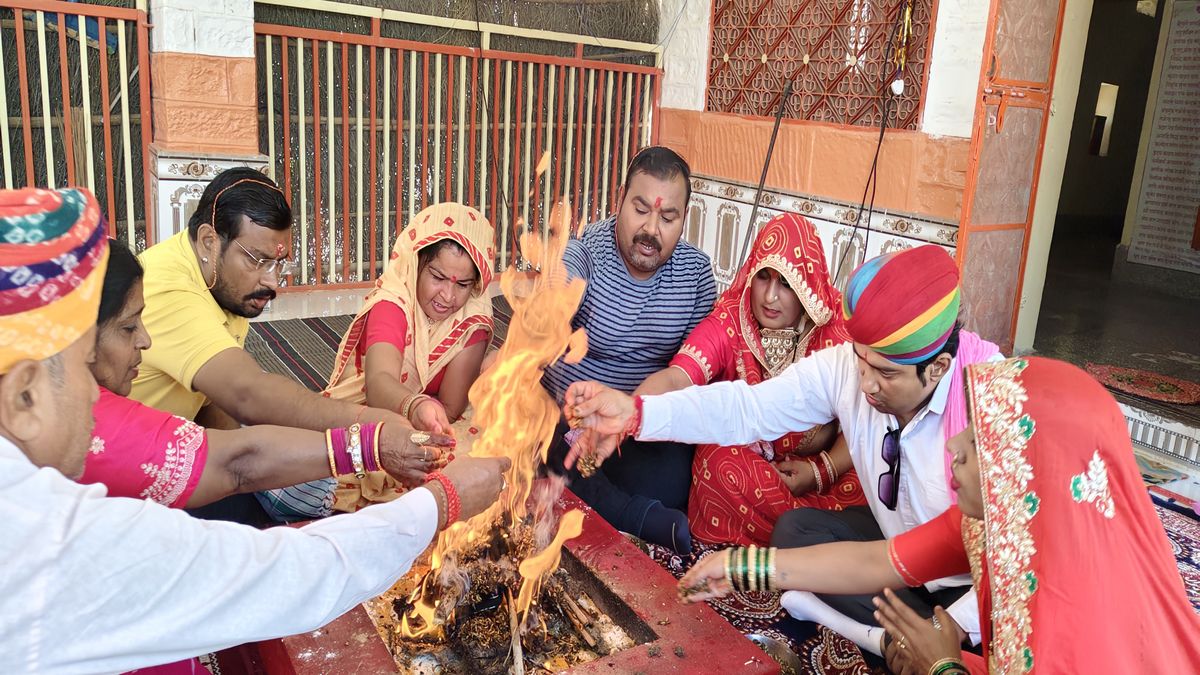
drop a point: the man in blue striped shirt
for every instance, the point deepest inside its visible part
(646, 291)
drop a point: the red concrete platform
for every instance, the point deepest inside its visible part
(709, 644)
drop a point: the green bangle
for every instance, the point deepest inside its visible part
(745, 568)
(751, 571)
(945, 666)
(759, 568)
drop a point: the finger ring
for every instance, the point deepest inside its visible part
(419, 437)
(425, 454)
(503, 484)
(937, 624)
(900, 641)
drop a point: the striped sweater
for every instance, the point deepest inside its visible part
(634, 327)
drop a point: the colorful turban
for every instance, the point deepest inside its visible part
(903, 304)
(53, 254)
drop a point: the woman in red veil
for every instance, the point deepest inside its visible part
(781, 307)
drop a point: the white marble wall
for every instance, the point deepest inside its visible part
(178, 180)
(719, 219)
(210, 27)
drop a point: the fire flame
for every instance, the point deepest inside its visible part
(517, 418)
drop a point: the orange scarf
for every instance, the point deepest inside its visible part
(429, 346)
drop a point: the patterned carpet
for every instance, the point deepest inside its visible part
(1183, 529)
(304, 349)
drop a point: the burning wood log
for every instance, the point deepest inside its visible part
(574, 608)
(514, 628)
(578, 618)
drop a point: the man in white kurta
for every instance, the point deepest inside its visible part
(95, 584)
(871, 387)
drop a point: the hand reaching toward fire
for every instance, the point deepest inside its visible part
(478, 481)
(603, 413)
(409, 462)
(706, 580)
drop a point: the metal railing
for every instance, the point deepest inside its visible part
(75, 91)
(363, 131)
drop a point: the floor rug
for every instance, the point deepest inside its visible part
(304, 349)
(824, 652)
(1146, 384)
(820, 650)
(1183, 530)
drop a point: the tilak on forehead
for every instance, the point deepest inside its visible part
(279, 249)
(658, 202)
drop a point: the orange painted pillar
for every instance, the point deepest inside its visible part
(203, 76)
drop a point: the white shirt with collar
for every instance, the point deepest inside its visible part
(813, 391)
(93, 584)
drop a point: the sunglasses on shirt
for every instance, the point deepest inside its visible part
(889, 481)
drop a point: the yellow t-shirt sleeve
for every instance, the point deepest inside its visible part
(188, 331)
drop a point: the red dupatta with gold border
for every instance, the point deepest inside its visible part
(1071, 563)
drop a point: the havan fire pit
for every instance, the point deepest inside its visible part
(607, 572)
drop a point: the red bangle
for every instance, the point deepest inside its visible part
(635, 422)
(454, 506)
(829, 471)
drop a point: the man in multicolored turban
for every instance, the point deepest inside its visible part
(99, 584)
(896, 391)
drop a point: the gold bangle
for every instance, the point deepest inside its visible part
(415, 403)
(771, 569)
(329, 448)
(729, 565)
(947, 665)
(356, 457)
(816, 475)
(762, 569)
(375, 447)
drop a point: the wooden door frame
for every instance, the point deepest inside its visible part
(987, 93)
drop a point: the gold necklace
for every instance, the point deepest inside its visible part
(779, 347)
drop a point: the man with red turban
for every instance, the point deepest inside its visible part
(896, 391)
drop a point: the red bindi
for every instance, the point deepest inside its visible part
(657, 202)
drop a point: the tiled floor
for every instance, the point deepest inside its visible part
(1086, 317)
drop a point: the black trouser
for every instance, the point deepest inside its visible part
(628, 483)
(806, 527)
(238, 508)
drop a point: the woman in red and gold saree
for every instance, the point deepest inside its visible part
(1072, 569)
(781, 307)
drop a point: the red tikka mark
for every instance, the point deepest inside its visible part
(657, 203)
(279, 248)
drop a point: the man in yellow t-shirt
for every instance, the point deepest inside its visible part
(201, 287)
(188, 325)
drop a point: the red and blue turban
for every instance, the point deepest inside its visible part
(904, 304)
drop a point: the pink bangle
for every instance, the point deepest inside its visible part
(370, 446)
(341, 455)
(454, 508)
